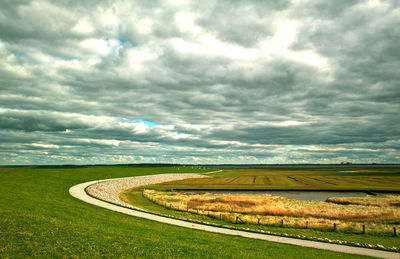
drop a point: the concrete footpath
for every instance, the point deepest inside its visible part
(78, 191)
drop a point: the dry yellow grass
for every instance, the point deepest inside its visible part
(378, 201)
(280, 206)
(266, 209)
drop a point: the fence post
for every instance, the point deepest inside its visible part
(363, 229)
(220, 216)
(282, 223)
(394, 231)
(258, 221)
(237, 219)
(334, 227)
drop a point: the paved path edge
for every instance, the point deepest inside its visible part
(78, 191)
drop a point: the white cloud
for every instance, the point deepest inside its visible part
(185, 21)
(106, 142)
(83, 27)
(208, 45)
(285, 33)
(137, 60)
(44, 145)
(98, 46)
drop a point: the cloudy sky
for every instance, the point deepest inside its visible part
(302, 81)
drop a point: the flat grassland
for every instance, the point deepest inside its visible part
(296, 178)
(38, 218)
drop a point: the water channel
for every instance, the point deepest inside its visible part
(314, 195)
(298, 195)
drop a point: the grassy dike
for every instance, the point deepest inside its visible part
(38, 218)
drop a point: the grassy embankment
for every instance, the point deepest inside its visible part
(349, 218)
(38, 218)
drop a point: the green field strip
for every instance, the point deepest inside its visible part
(365, 182)
(334, 181)
(362, 181)
(310, 182)
(211, 181)
(259, 180)
(299, 182)
(392, 180)
(343, 182)
(248, 180)
(320, 180)
(266, 180)
(277, 180)
(233, 180)
(358, 185)
(291, 182)
(192, 181)
(224, 180)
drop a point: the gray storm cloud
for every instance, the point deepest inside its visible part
(199, 82)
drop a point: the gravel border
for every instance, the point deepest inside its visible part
(109, 190)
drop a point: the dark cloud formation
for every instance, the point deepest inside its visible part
(302, 81)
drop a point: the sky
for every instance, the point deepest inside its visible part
(201, 82)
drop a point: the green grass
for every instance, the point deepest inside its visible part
(39, 219)
(296, 178)
(135, 197)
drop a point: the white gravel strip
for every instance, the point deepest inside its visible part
(78, 191)
(213, 172)
(109, 190)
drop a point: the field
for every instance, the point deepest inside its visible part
(296, 178)
(38, 218)
(348, 216)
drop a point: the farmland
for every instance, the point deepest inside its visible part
(348, 215)
(296, 178)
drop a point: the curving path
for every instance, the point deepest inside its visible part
(79, 192)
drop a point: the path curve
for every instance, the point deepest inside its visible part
(79, 191)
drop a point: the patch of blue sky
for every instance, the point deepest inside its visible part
(179, 147)
(21, 58)
(148, 123)
(127, 43)
(291, 147)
